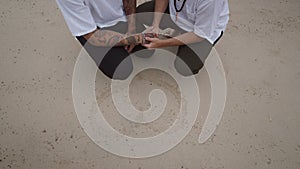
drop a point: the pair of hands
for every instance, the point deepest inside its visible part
(152, 42)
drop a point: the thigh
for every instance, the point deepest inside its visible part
(116, 63)
(191, 58)
(113, 62)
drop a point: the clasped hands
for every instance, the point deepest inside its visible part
(152, 38)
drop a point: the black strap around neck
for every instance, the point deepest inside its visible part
(175, 5)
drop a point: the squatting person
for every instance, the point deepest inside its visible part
(200, 22)
(105, 27)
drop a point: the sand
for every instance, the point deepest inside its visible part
(259, 129)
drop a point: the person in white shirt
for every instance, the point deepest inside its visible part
(105, 27)
(200, 22)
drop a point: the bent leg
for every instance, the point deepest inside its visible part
(113, 62)
(116, 64)
(190, 58)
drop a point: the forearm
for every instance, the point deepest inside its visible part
(160, 8)
(184, 39)
(130, 9)
(107, 38)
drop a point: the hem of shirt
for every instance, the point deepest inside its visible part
(112, 23)
(202, 35)
(85, 32)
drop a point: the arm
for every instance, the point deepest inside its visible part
(97, 37)
(186, 38)
(160, 8)
(109, 38)
(130, 8)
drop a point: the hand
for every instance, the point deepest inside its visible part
(153, 29)
(153, 43)
(130, 47)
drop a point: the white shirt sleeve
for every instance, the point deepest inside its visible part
(78, 16)
(207, 18)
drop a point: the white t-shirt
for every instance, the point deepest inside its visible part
(83, 16)
(206, 18)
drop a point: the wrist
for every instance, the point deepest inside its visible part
(140, 38)
(155, 25)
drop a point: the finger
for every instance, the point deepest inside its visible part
(150, 39)
(128, 49)
(131, 48)
(148, 46)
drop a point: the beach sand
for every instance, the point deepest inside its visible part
(259, 129)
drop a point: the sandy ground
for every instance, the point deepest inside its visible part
(259, 129)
